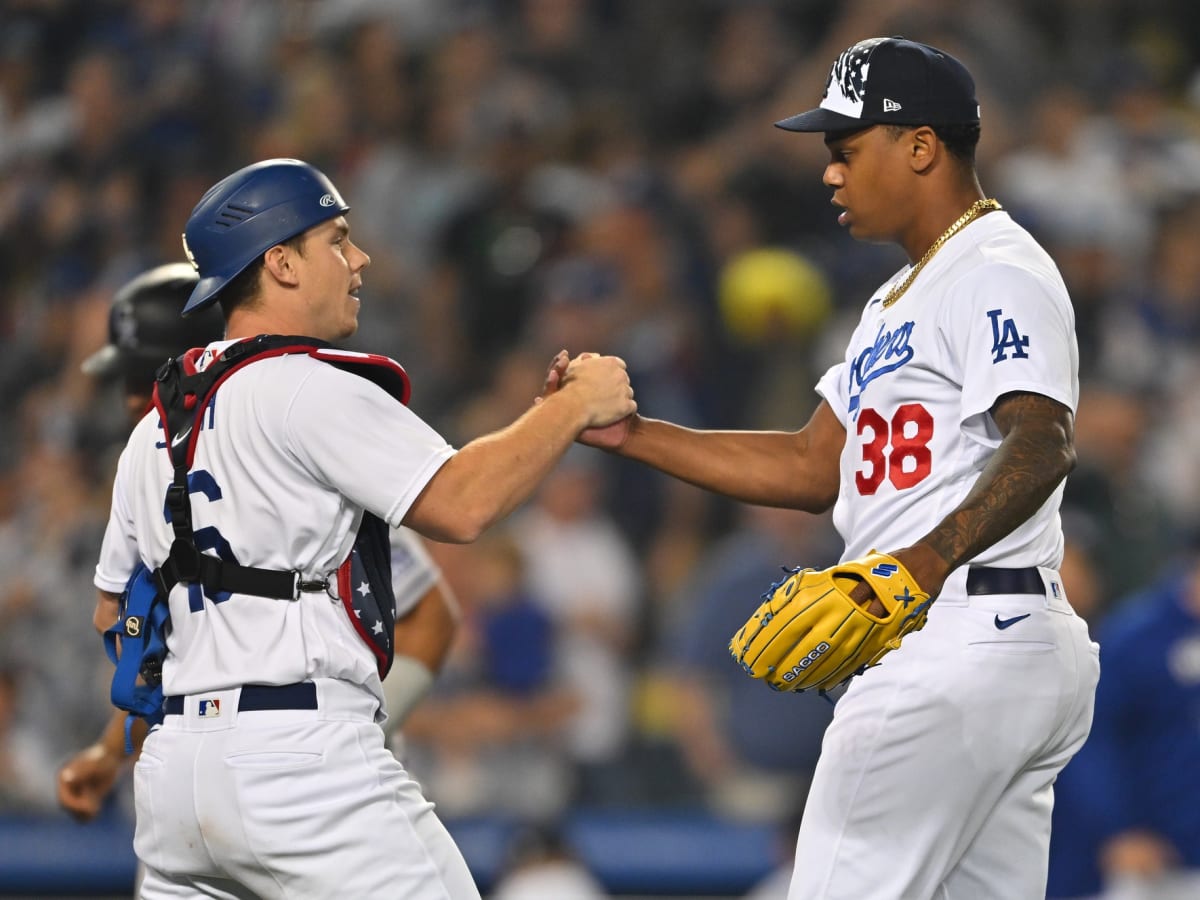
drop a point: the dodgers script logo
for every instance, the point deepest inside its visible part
(890, 351)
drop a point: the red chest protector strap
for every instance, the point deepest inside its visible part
(181, 395)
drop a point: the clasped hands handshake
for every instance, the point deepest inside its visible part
(603, 385)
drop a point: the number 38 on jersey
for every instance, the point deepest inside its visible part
(895, 448)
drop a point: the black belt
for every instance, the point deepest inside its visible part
(301, 695)
(986, 580)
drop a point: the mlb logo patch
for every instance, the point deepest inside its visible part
(208, 709)
(1054, 589)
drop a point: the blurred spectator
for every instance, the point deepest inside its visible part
(24, 757)
(1112, 502)
(31, 127)
(1047, 183)
(773, 303)
(1074, 871)
(541, 865)
(489, 738)
(752, 749)
(491, 249)
(1148, 137)
(56, 686)
(566, 42)
(1132, 788)
(1154, 343)
(585, 573)
(1152, 339)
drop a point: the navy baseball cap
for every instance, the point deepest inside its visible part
(891, 81)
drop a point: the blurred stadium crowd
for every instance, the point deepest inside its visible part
(596, 175)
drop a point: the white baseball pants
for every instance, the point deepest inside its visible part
(936, 775)
(292, 804)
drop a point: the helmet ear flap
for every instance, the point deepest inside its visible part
(246, 213)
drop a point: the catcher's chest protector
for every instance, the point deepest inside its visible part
(181, 395)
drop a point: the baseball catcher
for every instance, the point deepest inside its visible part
(817, 629)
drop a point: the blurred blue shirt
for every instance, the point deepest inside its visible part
(1139, 768)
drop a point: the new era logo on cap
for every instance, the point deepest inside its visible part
(891, 81)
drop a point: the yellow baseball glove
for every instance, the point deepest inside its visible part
(810, 634)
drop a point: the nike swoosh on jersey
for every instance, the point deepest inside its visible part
(1007, 623)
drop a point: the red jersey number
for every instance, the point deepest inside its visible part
(908, 434)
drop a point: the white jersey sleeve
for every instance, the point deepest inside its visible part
(119, 549)
(1009, 330)
(353, 436)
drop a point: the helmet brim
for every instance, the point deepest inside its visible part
(104, 363)
(206, 289)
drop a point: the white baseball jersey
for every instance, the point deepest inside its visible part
(947, 751)
(292, 450)
(989, 314)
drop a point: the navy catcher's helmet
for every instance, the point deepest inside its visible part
(145, 327)
(247, 213)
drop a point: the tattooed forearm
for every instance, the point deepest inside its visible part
(1038, 451)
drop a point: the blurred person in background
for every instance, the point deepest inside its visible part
(23, 753)
(584, 572)
(541, 865)
(1048, 179)
(1150, 138)
(491, 737)
(59, 699)
(1128, 520)
(752, 750)
(1154, 347)
(1132, 785)
(491, 248)
(1074, 872)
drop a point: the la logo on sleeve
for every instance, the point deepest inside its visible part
(1005, 338)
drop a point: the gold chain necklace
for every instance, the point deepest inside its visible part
(974, 211)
